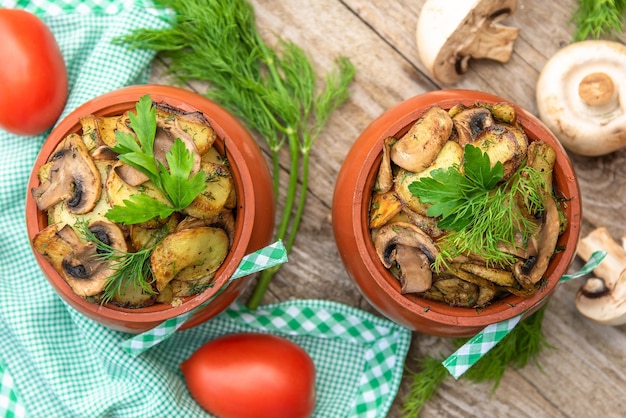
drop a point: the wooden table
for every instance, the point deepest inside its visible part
(585, 374)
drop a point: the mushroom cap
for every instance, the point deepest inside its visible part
(579, 96)
(72, 177)
(603, 304)
(450, 32)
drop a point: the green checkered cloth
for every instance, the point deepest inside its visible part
(55, 362)
(479, 345)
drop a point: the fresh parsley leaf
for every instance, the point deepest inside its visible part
(139, 208)
(172, 180)
(181, 189)
(478, 169)
(477, 208)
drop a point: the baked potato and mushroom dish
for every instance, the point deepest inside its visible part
(160, 252)
(463, 209)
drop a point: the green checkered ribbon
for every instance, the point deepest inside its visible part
(479, 345)
(270, 256)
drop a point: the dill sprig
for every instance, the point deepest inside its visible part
(521, 346)
(598, 18)
(478, 210)
(274, 91)
(128, 269)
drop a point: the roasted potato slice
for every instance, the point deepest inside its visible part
(219, 186)
(384, 207)
(189, 255)
(118, 190)
(450, 155)
(504, 143)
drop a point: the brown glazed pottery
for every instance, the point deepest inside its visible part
(350, 224)
(254, 213)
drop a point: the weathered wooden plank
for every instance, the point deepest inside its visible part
(585, 374)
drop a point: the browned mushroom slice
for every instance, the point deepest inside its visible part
(195, 125)
(497, 276)
(470, 123)
(419, 147)
(528, 273)
(414, 271)
(73, 259)
(425, 223)
(384, 180)
(72, 177)
(167, 131)
(400, 233)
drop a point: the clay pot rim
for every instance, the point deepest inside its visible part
(398, 119)
(114, 103)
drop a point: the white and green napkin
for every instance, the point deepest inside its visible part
(55, 362)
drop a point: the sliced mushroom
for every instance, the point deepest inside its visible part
(450, 33)
(73, 259)
(414, 271)
(72, 178)
(469, 123)
(580, 96)
(400, 233)
(529, 273)
(418, 148)
(109, 234)
(168, 130)
(194, 124)
(603, 298)
(384, 180)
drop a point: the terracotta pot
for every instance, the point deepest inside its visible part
(350, 224)
(254, 213)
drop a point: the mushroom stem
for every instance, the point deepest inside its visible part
(615, 260)
(603, 298)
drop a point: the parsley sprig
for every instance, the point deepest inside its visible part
(479, 210)
(174, 181)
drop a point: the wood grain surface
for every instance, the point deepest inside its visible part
(584, 374)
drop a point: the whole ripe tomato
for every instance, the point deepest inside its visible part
(33, 77)
(248, 375)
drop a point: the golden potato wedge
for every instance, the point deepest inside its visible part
(91, 135)
(450, 155)
(188, 255)
(219, 186)
(504, 143)
(118, 190)
(384, 207)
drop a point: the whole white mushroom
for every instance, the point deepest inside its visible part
(451, 32)
(580, 96)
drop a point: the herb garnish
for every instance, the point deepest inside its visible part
(173, 181)
(129, 269)
(273, 90)
(521, 346)
(597, 18)
(477, 208)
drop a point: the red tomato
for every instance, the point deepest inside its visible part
(33, 77)
(249, 375)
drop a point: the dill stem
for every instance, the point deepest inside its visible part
(266, 275)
